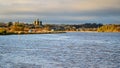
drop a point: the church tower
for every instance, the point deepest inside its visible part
(38, 23)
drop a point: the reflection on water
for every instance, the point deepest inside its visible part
(69, 50)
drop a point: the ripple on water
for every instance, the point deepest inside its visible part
(70, 50)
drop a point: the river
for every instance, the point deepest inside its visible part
(65, 50)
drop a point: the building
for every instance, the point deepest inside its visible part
(38, 23)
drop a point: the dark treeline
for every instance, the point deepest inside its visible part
(75, 27)
(87, 25)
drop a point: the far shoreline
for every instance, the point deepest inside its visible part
(22, 33)
(55, 32)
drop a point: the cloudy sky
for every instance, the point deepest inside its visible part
(61, 11)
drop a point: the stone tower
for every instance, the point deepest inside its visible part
(37, 22)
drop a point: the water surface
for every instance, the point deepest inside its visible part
(67, 50)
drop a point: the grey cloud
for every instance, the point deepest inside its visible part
(104, 12)
(61, 10)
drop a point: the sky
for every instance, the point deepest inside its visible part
(61, 11)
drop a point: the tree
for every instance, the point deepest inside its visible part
(18, 27)
(109, 28)
(9, 24)
(3, 31)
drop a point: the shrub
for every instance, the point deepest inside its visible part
(3, 31)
